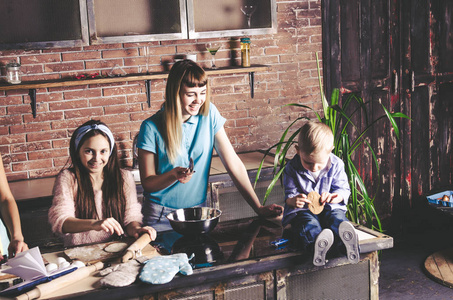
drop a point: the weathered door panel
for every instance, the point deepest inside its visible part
(427, 71)
(358, 43)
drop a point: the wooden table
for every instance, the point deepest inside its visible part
(252, 274)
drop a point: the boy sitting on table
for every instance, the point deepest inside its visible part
(316, 168)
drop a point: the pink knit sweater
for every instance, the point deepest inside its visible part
(63, 207)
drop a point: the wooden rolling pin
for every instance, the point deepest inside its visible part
(139, 244)
(45, 289)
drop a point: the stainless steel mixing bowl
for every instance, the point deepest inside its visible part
(194, 220)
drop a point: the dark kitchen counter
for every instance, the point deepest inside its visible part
(236, 250)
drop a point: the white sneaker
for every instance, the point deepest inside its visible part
(322, 244)
(350, 240)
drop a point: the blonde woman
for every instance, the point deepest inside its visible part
(187, 127)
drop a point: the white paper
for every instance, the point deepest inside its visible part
(27, 265)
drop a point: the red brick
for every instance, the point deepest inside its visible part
(26, 147)
(138, 98)
(121, 90)
(53, 153)
(82, 94)
(42, 117)
(47, 172)
(12, 139)
(64, 67)
(102, 64)
(39, 59)
(18, 109)
(47, 135)
(118, 109)
(107, 101)
(64, 143)
(114, 119)
(32, 165)
(64, 105)
(120, 53)
(71, 56)
(32, 127)
(94, 112)
(17, 157)
(141, 61)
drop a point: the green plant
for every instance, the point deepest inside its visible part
(339, 117)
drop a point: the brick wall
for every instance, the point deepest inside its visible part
(38, 147)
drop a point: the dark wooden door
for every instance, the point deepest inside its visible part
(397, 53)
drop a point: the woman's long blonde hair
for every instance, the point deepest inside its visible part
(189, 73)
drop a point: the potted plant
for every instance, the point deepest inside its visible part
(339, 117)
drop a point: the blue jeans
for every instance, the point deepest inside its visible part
(306, 227)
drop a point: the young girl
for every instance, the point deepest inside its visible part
(187, 127)
(95, 199)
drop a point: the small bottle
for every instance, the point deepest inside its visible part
(245, 52)
(13, 74)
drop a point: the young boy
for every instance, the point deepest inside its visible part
(316, 168)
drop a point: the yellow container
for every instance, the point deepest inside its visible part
(245, 52)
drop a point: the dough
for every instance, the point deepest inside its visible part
(116, 247)
(315, 206)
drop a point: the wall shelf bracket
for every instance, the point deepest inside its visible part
(252, 83)
(148, 91)
(32, 94)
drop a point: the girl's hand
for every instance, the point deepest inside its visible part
(183, 175)
(15, 247)
(109, 225)
(298, 201)
(331, 198)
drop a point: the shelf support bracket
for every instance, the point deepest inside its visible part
(252, 83)
(32, 94)
(148, 91)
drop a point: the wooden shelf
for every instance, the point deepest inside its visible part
(133, 77)
(33, 85)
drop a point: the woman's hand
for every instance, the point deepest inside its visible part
(146, 229)
(15, 247)
(183, 175)
(135, 229)
(272, 210)
(298, 201)
(109, 225)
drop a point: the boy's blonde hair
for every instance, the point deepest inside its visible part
(314, 137)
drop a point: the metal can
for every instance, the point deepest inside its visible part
(245, 52)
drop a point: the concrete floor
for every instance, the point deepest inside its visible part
(402, 275)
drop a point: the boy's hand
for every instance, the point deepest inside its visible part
(331, 198)
(298, 201)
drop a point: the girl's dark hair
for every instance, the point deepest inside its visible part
(113, 199)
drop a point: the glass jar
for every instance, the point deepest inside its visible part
(13, 74)
(245, 52)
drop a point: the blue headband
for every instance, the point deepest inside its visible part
(80, 133)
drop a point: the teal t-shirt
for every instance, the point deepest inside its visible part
(197, 143)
